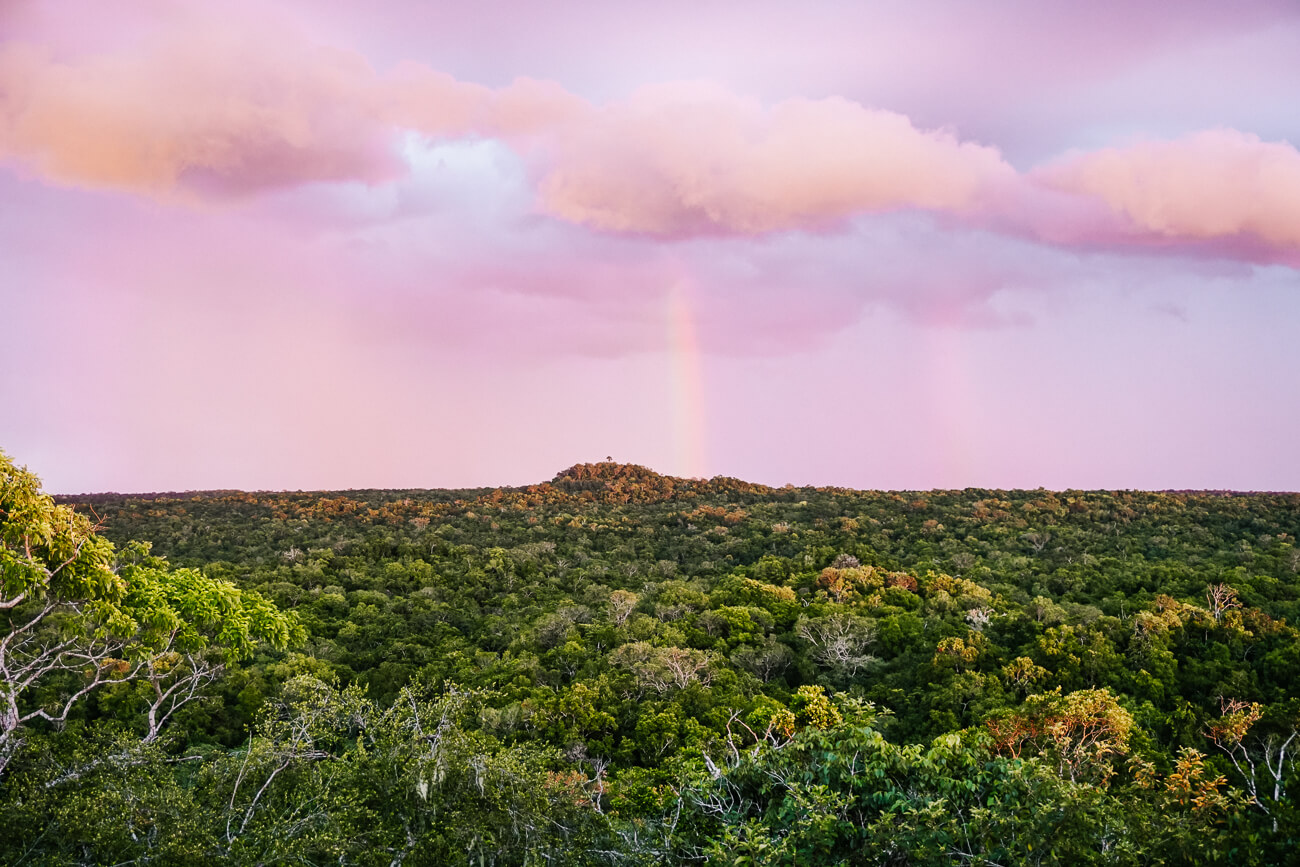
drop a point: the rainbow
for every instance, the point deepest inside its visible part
(684, 387)
(953, 407)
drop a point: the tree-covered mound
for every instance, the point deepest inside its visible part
(621, 667)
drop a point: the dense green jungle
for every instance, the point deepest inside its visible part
(619, 667)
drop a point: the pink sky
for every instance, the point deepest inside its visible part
(424, 244)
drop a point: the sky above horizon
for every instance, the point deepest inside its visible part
(324, 245)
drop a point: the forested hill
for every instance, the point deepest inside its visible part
(711, 669)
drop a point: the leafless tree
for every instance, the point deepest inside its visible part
(621, 605)
(1219, 598)
(839, 641)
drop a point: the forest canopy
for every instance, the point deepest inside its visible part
(620, 667)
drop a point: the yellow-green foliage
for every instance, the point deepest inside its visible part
(813, 708)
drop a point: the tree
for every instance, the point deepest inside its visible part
(1081, 731)
(663, 669)
(839, 641)
(77, 617)
(329, 776)
(1262, 760)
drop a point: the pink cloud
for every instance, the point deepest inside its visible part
(433, 102)
(1212, 186)
(422, 99)
(209, 107)
(217, 108)
(694, 159)
(187, 106)
(235, 107)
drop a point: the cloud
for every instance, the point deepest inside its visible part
(436, 104)
(693, 159)
(1214, 186)
(189, 107)
(213, 108)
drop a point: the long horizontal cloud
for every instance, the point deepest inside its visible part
(208, 110)
(691, 159)
(205, 113)
(1217, 185)
(217, 111)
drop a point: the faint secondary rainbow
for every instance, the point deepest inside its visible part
(684, 387)
(952, 406)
